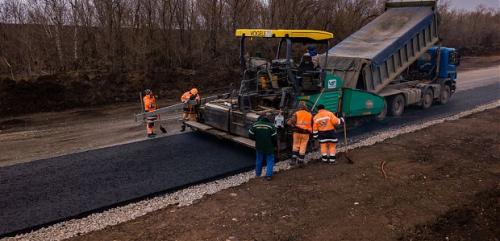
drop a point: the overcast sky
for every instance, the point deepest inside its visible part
(471, 4)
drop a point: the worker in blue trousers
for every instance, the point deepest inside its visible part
(265, 135)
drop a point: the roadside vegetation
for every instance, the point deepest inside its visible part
(57, 54)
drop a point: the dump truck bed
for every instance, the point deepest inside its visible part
(380, 38)
(385, 47)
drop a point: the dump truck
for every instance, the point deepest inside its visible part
(395, 57)
(390, 63)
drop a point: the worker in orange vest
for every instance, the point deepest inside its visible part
(149, 101)
(301, 122)
(192, 101)
(324, 123)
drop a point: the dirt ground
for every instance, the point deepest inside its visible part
(443, 183)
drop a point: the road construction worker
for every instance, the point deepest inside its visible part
(191, 100)
(265, 135)
(313, 52)
(301, 122)
(324, 123)
(149, 101)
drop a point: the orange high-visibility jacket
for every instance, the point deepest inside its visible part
(188, 108)
(325, 121)
(149, 103)
(303, 120)
(185, 97)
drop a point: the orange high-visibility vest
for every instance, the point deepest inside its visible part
(303, 120)
(187, 95)
(149, 103)
(188, 108)
(325, 121)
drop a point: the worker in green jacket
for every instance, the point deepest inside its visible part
(265, 134)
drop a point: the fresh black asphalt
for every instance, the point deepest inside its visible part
(41, 192)
(45, 191)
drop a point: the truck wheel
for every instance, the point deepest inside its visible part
(396, 105)
(445, 95)
(381, 117)
(427, 98)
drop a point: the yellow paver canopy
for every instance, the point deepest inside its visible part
(285, 33)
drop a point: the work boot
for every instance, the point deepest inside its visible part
(293, 161)
(268, 178)
(183, 128)
(301, 162)
(324, 159)
(332, 160)
(151, 135)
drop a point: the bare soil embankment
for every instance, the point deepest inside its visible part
(62, 91)
(475, 62)
(442, 184)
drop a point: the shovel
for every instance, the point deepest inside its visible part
(345, 144)
(163, 130)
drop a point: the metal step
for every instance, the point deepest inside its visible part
(198, 125)
(210, 130)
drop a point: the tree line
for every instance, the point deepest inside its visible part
(132, 44)
(46, 36)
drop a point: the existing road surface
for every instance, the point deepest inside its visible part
(44, 191)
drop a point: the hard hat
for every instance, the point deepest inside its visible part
(148, 91)
(194, 91)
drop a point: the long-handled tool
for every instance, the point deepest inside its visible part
(162, 129)
(345, 144)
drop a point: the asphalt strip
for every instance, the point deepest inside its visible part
(187, 196)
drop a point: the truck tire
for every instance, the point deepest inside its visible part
(444, 95)
(427, 98)
(396, 105)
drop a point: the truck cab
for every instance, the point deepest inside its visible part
(446, 69)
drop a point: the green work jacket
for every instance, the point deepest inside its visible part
(264, 133)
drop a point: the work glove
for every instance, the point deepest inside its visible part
(342, 121)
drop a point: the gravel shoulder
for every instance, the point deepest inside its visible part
(442, 183)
